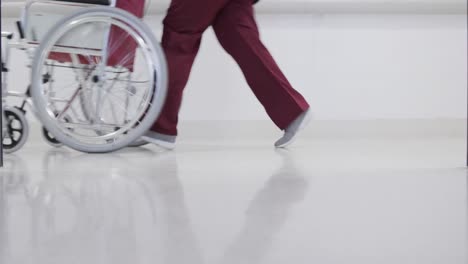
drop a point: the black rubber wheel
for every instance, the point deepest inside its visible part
(50, 139)
(16, 129)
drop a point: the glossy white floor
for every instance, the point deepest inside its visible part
(345, 200)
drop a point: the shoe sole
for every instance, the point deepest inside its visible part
(304, 123)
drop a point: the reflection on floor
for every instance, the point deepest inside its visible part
(349, 201)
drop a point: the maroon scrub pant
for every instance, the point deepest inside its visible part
(234, 24)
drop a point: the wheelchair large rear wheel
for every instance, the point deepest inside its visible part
(99, 80)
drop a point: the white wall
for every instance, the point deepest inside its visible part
(349, 66)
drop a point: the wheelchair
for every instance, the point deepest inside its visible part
(98, 76)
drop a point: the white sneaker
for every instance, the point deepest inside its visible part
(290, 133)
(164, 141)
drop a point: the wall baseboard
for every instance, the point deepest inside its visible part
(323, 129)
(317, 130)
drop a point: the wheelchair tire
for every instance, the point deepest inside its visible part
(16, 129)
(50, 139)
(96, 135)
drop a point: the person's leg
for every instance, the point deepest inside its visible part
(184, 24)
(237, 32)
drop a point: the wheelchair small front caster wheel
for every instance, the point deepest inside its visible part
(50, 139)
(16, 129)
